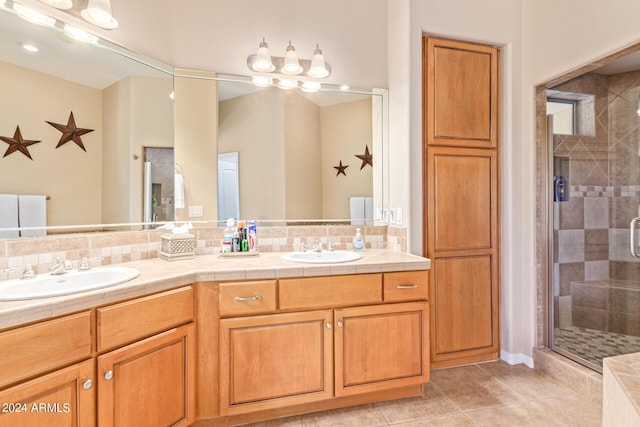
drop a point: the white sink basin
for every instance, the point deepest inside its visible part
(324, 257)
(72, 282)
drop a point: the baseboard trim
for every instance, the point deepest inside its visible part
(516, 359)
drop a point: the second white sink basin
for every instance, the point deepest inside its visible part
(73, 282)
(324, 257)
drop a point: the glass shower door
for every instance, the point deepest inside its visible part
(594, 186)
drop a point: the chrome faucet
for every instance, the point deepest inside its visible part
(58, 268)
(28, 272)
(317, 247)
(85, 264)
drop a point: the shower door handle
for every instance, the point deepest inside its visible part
(632, 236)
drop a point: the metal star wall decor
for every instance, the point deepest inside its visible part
(17, 143)
(70, 132)
(341, 169)
(367, 158)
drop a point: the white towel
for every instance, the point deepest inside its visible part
(9, 215)
(368, 210)
(32, 212)
(178, 192)
(356, 205)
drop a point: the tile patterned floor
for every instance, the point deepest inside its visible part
(489, 394)
(593, 345)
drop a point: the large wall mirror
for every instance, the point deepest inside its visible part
(142, 127)
(281, 154)
(122, 110)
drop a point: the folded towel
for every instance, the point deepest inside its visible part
(178, 192)
(9, 215)
(32, 212)
(356, 208)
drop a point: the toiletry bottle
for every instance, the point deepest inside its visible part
(229, 232)
(252, 236)
(358, 241)
(236, 241)
(244, 242)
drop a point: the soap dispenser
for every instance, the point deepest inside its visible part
(358, 241)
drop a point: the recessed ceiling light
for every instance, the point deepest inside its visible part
(79, 35)
(33, 16)
(29, 47)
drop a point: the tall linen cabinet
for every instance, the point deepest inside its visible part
(461, 155)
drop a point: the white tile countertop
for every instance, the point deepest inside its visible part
(157, 275)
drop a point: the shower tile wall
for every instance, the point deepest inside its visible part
(591, 228)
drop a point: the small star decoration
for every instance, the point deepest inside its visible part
(367, 158)
(18, 144)
(70, 132)
(341, 169)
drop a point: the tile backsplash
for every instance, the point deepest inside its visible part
(107, 248)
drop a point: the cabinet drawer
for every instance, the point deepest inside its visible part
(330, 291)
(406, 286)
(240, 298)
(34, 349)
(129, 321)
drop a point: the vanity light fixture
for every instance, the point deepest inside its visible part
(290, 64)
(78, 34)
(33, 16)
(59, 4)
(287, 84)
(310, 86)
(3, 2)
(98, 12)
(263, 59)
(262, 81)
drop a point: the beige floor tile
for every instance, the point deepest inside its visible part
(471, 387)
(357, 416)
(294, 421)
(433, 404)
(527, 383)
(457, 420)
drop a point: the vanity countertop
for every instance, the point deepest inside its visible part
(157, 275)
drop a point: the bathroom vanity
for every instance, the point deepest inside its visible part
(212, 341)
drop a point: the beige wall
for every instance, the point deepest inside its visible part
(71, 176)
(137, 113)
(196, 147)
(346, 130)
(303, 167)
(253, 125)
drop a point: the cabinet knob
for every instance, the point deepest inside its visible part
(87, 384)
(108, 375)
(340, 324)
(329, 325)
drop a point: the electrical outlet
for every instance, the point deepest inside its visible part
(196, 211)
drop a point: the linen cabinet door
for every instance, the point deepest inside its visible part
(381, 347)
(149, 383)
(63, 398)
(275, 360)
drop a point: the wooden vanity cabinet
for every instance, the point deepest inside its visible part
(342, 340)
(150, 381)
(65, 397)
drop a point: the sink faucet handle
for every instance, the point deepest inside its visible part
(85, 264)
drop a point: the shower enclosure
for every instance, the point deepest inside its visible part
(594, 188)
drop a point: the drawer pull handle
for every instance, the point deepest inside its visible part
(256, 298)
(87, 384)
(407, 286)
(108, 375)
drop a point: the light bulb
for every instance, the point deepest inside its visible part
(310, 86)
(287, 84)
(318, 68)
(291, 64)
(79, 35)
(261, 81)
(98, 12)
(263, 59)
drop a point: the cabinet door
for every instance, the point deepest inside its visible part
(149, 383)
(63, 398)
(275, 361)
(381, 347)
(461, 96)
